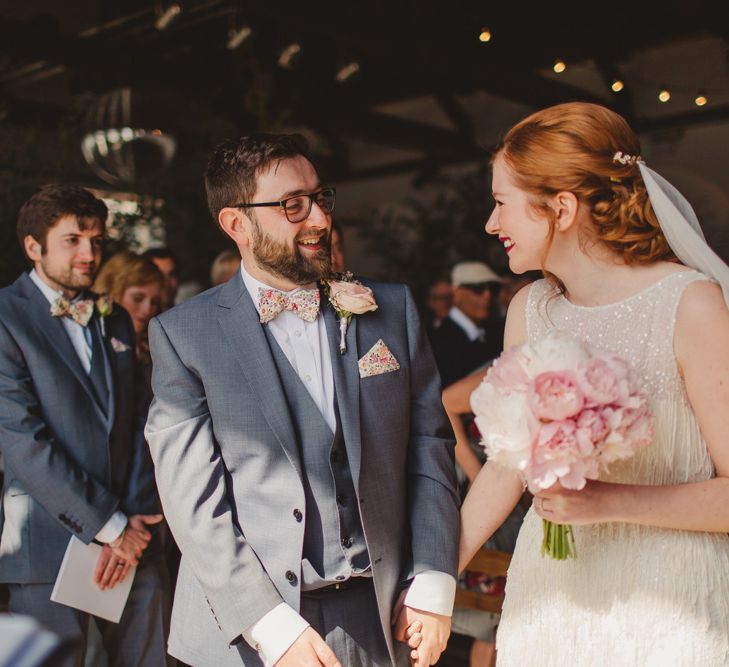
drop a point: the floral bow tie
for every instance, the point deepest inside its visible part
(304, 302)
(79, 311)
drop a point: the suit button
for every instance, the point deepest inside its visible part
(334, 456)
(341, 499)
(298, 515)
(291, 578)
(346, 542)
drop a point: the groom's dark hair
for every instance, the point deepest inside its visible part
(234, 166)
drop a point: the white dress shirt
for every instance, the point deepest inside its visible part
(81, 340)
(473, 331)
(306, 346)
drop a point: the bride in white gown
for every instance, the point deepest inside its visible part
(650, 585)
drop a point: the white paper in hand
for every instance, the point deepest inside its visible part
(75, 585)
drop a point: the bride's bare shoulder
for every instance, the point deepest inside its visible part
(515, 331)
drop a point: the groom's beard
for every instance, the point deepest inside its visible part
(289, 262)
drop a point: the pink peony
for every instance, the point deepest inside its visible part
(592, 429)
(603, 381)
(630, 429)
(556, 395)
(558, 456)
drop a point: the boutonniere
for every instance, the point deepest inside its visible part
(104, 306)
(348, 297)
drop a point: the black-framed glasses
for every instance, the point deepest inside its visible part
(298, 207)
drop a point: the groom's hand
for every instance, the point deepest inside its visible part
(434, 632)
(309, 650)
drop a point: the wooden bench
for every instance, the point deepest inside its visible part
(493, 563)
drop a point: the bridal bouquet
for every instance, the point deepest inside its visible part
(560, 410)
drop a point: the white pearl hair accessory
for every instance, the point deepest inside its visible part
(624, 158)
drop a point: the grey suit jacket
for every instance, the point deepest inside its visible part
(228, 469)
(67, 458)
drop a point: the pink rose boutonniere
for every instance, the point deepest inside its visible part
(348, 297)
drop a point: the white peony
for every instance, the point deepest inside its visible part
(506, 423)
(557, 351)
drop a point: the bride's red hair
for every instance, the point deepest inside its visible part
(570, 147)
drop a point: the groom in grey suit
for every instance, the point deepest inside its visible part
(309, 491)
(73, 466)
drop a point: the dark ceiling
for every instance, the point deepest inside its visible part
(54, 54)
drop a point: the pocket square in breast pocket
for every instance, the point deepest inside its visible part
(119, 346)
(377, 361)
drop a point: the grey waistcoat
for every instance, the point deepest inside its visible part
(334, 544)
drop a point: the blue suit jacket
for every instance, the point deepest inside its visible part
(227, 462)
(69, 461)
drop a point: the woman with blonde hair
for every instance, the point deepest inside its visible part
(626, 269)
(136, 284)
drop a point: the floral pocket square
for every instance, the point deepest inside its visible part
(377, 361)
(118, 346)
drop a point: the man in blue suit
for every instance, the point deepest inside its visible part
(305, 468)
(73, 462)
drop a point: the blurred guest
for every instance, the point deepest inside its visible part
(461, 343)
(337, 248)
(165, 261)
(440, 300)
(224, 267)
(187, 290)
(136, 284)
(67, 433)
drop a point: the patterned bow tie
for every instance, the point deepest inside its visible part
(304, 302)
(79, 311)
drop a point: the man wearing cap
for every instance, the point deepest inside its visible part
(461, 344)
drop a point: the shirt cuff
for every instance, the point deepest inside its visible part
(273, 634)
(432, 591)
(112, 528)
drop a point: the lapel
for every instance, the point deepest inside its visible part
(239, 321)
(346, 385)
(52, 329)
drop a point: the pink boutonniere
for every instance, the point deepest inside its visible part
(348, 297)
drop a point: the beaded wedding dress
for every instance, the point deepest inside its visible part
(635, 596)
